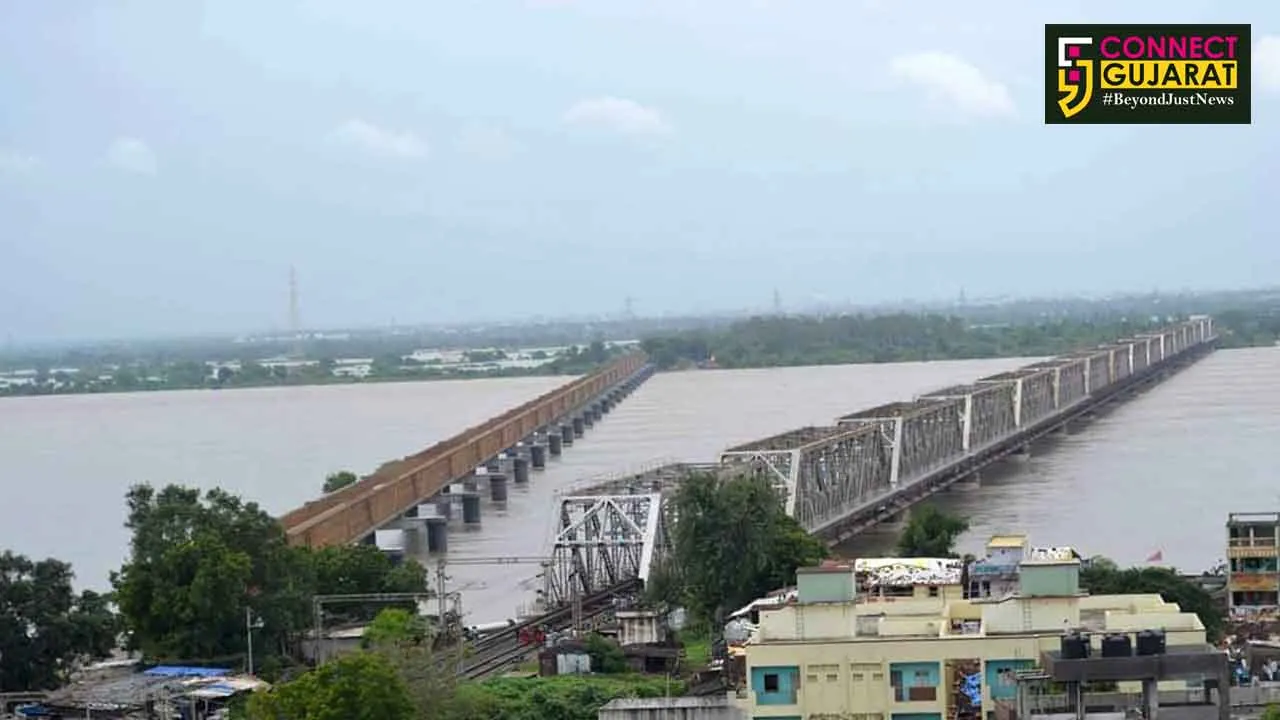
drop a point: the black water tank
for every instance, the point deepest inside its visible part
(1151, 642)
(1075, 646)
(1117, 645)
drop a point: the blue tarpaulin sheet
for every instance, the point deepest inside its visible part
(184, 671)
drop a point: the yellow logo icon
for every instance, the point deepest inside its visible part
(1075, 94)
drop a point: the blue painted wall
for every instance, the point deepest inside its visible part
(918, 674)
(1004, 688)
(788, 676)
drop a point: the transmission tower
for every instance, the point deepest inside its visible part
(295, 321)
(777, 302)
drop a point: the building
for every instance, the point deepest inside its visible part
(1253, 562)
(670, 708)
(901, 639)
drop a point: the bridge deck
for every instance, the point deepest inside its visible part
(872, 462)
(357, 510)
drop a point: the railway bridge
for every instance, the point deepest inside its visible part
(418, 493)
(866, 467)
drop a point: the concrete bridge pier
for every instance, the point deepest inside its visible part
(471, 483)
(437, 535)
(588, 417)
(391, 541)
(538, 457)
(520, 469)
(498, 487)
(567, 434)
(579, 427)
(414, 535)
(596, 411)
(494, 465)
(471, 509)
(444, 506)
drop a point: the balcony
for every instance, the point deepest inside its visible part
(1245, 547)
(1254, 582)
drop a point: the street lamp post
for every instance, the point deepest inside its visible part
(249, 626)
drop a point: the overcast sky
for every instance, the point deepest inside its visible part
(164, 162)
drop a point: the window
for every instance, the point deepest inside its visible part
(771, 682)
(933, 591)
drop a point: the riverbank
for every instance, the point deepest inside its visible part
(761, 342)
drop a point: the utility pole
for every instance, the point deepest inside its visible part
(248, 634)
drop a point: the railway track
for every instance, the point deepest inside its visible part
(504, 648)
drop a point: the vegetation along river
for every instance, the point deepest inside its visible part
(1158, 473)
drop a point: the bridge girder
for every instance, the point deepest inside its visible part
(601, 541)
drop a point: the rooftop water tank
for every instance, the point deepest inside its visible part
(1075, 646)
(1151, 642)
(1117, 645)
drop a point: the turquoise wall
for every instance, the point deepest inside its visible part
(1004, 688)
(788, 677)
(917, 674)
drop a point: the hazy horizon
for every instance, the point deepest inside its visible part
(432, 163)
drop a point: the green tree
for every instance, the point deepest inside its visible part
(337, 481)
(45, 628)
(198, 562)
(394, 626)
(931, 533)
(360, 686)
(606, 656)
(1101, 576)
(732, 542)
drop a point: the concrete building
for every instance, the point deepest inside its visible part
(1253, 562)
(900, 639)
(671, 708)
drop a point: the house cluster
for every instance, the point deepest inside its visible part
(1010, 635)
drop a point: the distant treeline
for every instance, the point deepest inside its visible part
(788, 341)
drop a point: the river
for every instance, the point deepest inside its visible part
(1157, 473)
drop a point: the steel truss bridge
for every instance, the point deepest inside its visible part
(840, 479)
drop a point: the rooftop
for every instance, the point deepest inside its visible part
(908, 572)
(1052, 556)
(1007, 541)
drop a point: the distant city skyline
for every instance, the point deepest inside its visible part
(460, 162)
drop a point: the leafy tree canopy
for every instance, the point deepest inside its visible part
(198, 563)
(337, 481)
(930, 533)
(1101, 576)
(44, 626)
(827, 340)
(360, 686)
(395, 626)
(732, 542)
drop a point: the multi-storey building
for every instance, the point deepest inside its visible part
(899, 639)
(1253, 561)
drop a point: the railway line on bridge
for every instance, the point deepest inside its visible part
(868, 466)
(837, 480)
(398, 487)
